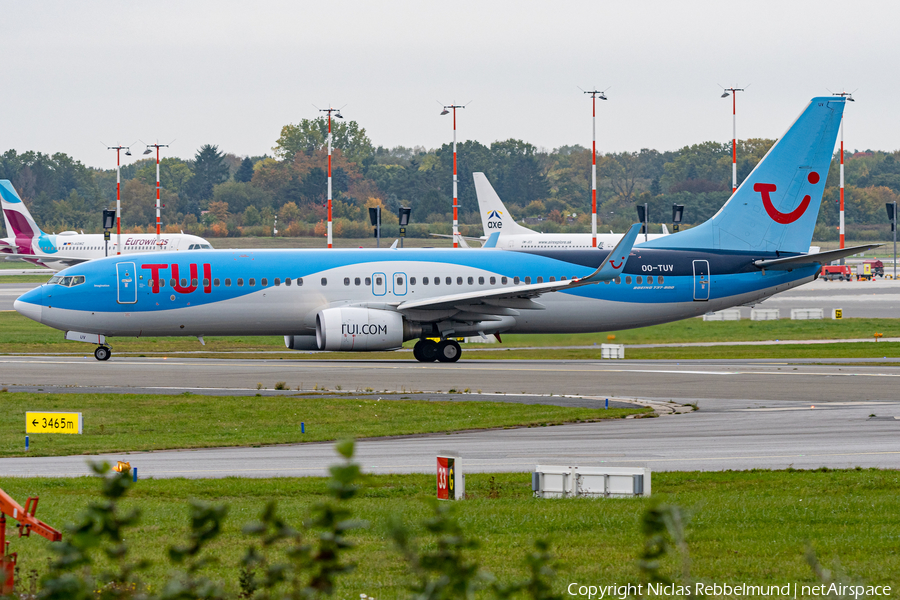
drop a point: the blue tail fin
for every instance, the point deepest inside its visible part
(776, 207)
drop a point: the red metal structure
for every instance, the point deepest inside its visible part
(27, 523)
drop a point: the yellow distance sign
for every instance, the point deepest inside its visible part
(53, 422)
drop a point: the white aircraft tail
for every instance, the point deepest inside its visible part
(20, 225)
(494, 216)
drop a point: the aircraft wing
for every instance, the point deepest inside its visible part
(519, 296)
(823, 258)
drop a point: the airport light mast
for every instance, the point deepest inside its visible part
(453, 107)
(849, 96)
(148, 151)
(594, 95)
(337, 115)
(733, 93)
(118, 150)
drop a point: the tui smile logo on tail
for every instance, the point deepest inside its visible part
(779, 217)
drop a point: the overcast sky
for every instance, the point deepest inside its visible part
(232, 73)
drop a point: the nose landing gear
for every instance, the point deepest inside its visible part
(102, 353)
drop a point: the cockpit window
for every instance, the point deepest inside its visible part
(68, 281)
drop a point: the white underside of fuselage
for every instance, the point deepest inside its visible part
(284, 311)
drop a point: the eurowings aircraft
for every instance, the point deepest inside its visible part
(357, 300)
(495, 218)
(27, 242)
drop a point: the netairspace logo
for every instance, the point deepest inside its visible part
(719, 590)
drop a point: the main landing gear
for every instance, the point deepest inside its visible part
(102, 353)
(443, 351)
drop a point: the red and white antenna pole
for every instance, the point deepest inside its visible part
(453, 107)
(337, 112)
(118, 150)
(849, 96)
(725, 94)
(594, 94)
(158, 222)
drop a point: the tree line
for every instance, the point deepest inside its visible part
(219, 194)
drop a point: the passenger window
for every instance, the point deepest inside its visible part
(471, 281)
(184, 283)
(640, 279)
(503, 280)
(459, 281)
(205, 282)
(162, 283)
(299, 281)
(481, 281)
(324, 282)
(424, 281)
(627, 279)
(228, 283)
(173, 283)
(528, 280)
(563, 278)
(448, 280)
(265, 282)
(277, 281)
(287, 281)
(216, 282)
(493, 280)
(368, 281)
(194, 282)
(251, 282)
(346, 281)
(412, 281)
(240, 282)
(540, 280)
(649, 278)
(516, 280)
(659, 279)
(437, 281)
(618, 280)
(378, 281)
(356, 281)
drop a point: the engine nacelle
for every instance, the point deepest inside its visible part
(359, 329)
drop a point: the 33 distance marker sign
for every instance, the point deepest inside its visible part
(53, 422)
(451, 483)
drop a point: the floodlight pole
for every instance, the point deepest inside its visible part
(338, 115)
(733, 93)
(849, 96)
(594, 94)
(158, 228)
(118, 150)
(453, 107)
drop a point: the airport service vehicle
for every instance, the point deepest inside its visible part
(495, 218)
(876, 268)
(360, 300)
(839, 272)
(27, 242)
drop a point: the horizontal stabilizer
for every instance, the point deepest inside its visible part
(822, 258)
(615, 262)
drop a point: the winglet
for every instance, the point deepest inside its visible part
(615, 262)
(492, 240)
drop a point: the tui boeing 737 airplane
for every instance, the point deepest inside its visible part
(27, 242)
(359, 300)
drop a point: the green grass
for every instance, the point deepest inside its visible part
(19, 334)
(39, 278)
(750, 526)
(132, 422)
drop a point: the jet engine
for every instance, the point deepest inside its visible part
(350, 329)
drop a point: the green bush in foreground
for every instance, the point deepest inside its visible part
(307, 560)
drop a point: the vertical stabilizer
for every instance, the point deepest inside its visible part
(494, 216)
(776, 207)
(20, 226)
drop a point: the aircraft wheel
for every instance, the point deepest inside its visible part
(102, 353)
(425, 351)
(448, 351)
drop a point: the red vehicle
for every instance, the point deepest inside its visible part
(832, 272)
(877, 267)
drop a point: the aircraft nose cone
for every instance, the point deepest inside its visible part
(29, 304)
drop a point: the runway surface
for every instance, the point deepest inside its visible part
(752, 414)
(874, 299)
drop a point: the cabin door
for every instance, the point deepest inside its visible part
(127, 283)
(701, 280)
